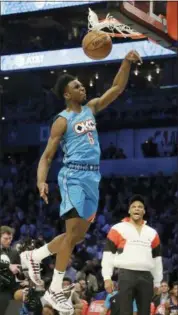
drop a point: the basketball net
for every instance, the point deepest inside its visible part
(94, 24)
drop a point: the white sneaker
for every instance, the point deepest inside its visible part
(33, 267)
(58, 302)
(69, 288)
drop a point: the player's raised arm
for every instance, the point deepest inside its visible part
(118, 86)
(57, 131)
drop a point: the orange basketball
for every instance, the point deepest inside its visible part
(18, 295)
(97, 45)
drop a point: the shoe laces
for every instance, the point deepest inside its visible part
(59, 297)
(35, 267)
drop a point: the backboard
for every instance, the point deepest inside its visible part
(157, 19)
(150, 13)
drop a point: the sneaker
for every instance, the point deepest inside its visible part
(58, 302)
(69, 288)
(33, 267)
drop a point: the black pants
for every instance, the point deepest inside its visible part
(5, 298)
(136, 285)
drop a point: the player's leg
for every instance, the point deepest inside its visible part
(77, 221)
(32, 259)
(76, 229)
(72, 197)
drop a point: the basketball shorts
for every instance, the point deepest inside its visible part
(80, 190)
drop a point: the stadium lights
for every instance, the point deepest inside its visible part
(75, 31)
(136, 72)
(3, 118)
(157, 70)
(91, 83)
(149, 77)
(6, 78)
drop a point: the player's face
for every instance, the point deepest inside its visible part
(137, 210)
(75, 92)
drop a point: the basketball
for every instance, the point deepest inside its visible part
(97, 45)
(18, 295)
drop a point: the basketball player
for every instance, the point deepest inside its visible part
(75, 129)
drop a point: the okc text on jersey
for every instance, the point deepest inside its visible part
(85, 126)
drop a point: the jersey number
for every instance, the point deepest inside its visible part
(90, 138)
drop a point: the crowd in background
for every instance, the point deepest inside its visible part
(22, 209)
(159, 106)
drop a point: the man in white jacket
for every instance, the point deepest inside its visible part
(134, 248)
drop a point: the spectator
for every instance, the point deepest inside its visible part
(164, 296)
(87, 274)
(83, 285)
(112, 304)
(70, 271)
(72, 296)
(115, 192)
(164, 292)
(120, 154)
(9, 265)
(28, 229)
(172, 304)
(78, 290)
(149, 148)
(111, 151)
(48, 310)
(135, 279)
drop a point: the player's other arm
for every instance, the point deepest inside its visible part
(57, 131)
(118, 86)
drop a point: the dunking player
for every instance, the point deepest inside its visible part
(75, 129)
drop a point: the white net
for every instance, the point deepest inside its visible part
(94, 24)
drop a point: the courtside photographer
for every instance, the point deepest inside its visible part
(9, 267)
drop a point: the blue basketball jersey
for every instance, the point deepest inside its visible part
(80, 142)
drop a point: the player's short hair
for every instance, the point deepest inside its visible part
(61, 84)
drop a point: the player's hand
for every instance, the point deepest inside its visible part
(43, 190)
(15, 269)
(133, 56)
(109, 287)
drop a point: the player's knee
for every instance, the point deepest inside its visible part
(59, 238)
